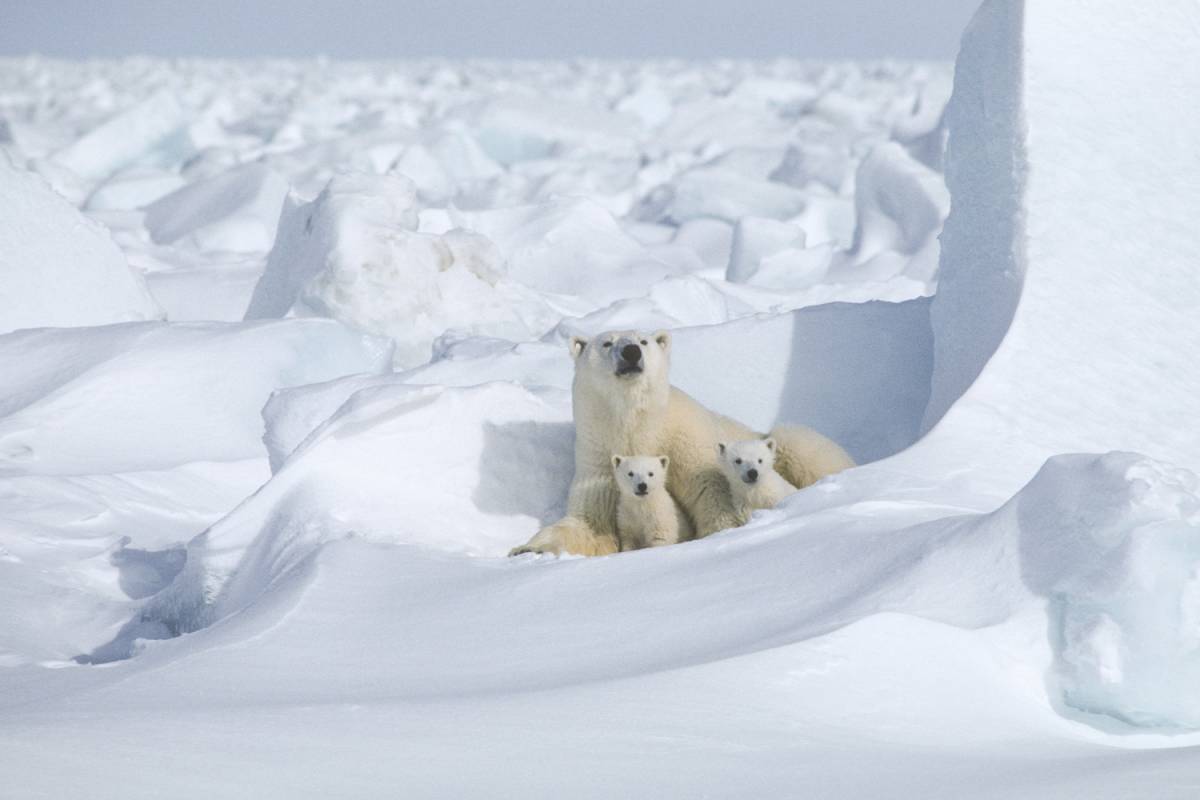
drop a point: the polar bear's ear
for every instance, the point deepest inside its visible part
(616, 462)
(770, 445)
(665, 461)
(578, 343)
(663, 338)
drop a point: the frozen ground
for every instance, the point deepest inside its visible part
(252, 536)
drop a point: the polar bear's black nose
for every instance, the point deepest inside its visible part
(631, 353)
(752, 474)
(641, 487)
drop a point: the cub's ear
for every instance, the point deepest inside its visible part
(771, 445)
(578, 343)
(616, 462)
(665, 461)
(663, 338)
(721, 448)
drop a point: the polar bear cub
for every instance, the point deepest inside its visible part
(647, 515)
(749, 466)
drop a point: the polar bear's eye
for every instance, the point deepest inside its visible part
(608, 344)
(738, 461)
(644, 343)
(651, 474)
(631, 474)
(760, 461)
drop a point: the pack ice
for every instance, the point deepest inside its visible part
(275, 523)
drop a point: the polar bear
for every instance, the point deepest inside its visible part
(623, 402)
(647, 515)
(749, 466)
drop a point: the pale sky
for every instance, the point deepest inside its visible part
(501, 28)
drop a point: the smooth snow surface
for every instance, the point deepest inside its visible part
(258, 549)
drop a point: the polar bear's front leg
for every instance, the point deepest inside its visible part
(590, 526)
(569, 535)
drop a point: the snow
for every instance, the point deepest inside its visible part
(281, 530)
(59, 268)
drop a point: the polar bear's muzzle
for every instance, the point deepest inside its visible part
(629, 358)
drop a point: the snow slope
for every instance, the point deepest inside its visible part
(995, 605)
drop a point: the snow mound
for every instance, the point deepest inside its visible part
(354, 254)
(1122, 572)
(462, 470)
(140, 396)
(58, 267)
(236, 211)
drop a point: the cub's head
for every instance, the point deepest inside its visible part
(747, 461)
(640, 476)
(623, 357)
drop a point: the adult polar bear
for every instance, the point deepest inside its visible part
(624, 403)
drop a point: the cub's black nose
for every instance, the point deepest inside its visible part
(641, 487)
(631, 352)
(752, 474)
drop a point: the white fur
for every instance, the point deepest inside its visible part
(640, 412)
(647, 515)
(749, 466)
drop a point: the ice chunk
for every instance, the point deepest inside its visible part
(1121, 567)
(570, 246)
(236, 211)
(58, 267)
(730, 196)
(132, 189)
(901, 204)
(772, 254)
(126, 137)
(354, 254)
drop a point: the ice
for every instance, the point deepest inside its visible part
(901, 205)
(127, 137)
(729, 196)
(235, 211)
(133, 188)
(353, 254)
(1122, 571)
(772, 254)
(59, 268)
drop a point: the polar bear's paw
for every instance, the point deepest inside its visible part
(569, 535)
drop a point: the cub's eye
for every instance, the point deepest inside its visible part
(608, 344)
(651, 474)
(631, 474)
(738, 461)
(760, 461)
(644, 342)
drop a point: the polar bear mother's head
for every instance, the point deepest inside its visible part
(622, 359)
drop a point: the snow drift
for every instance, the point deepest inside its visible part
(58, 268)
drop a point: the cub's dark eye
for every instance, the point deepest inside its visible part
(651, 474)
(738, 461)
(608, 344)
(644, 342)
(631, 474)
(760, 461)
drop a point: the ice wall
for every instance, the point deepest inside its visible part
(1073, 176)
(1071, 164)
